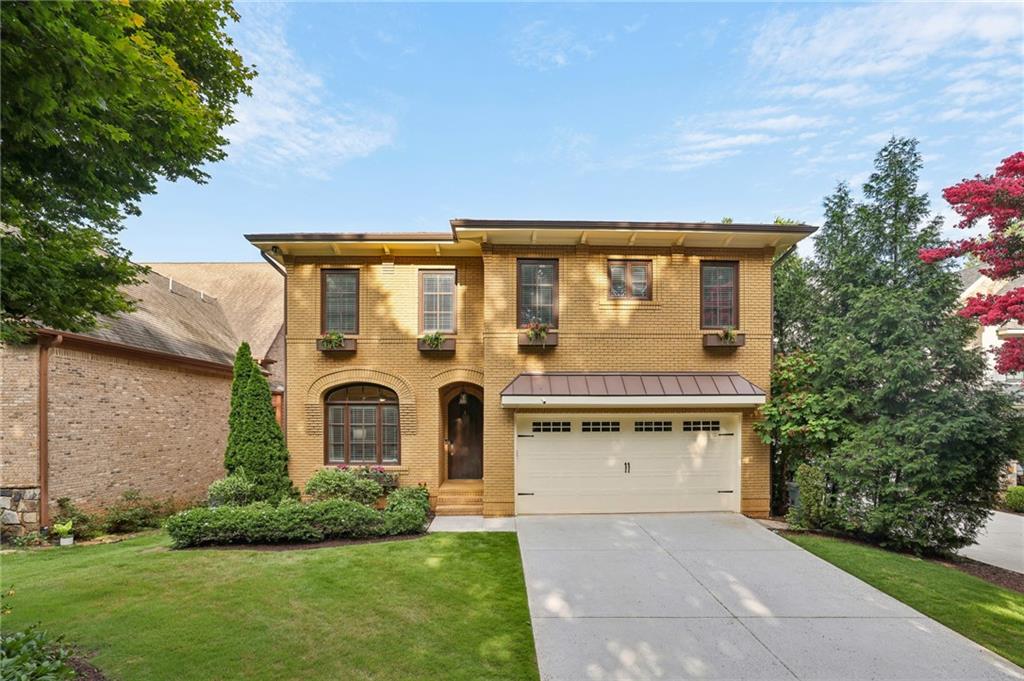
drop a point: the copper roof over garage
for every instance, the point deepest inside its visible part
(631, 389)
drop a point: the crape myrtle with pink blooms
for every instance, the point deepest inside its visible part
(999, 200)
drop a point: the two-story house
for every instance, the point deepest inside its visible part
(536, 366)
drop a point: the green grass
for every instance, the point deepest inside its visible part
(449, 606)
(983, 612)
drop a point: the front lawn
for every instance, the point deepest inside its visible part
(982, 612)
(449, 606)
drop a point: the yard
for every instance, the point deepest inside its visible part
(984, 613)
(447, 606)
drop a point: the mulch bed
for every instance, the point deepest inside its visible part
(85, 670)
(303, 546)
(1007, 579)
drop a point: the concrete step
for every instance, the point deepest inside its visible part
(459, 509)
(445, 499)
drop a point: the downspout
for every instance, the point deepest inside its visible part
(284, 397)
(43, 412)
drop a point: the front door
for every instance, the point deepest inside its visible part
(464, 436)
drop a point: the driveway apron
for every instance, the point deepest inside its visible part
(717, 596)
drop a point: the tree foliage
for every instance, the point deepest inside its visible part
(890, 404)
(100, 99)
(243, 369)
(999, 200)
(258, 445)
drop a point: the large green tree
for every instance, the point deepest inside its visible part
(916, 435)
(99, 101)
(243, 369)
(257, 443)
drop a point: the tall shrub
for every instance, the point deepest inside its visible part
(258, 444)
(244, 366)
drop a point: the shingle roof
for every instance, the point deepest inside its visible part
(171, 318)
(631, 384)
(251, 295)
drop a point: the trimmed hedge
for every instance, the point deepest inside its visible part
(334, 483)
(294, 522)
(1015, 499)
(234, 490)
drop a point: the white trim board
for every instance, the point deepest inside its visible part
(557, 401)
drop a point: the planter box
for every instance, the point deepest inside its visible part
(347, 346)
(548, 341)
(447, 346)
(714, 340)
(67, 541)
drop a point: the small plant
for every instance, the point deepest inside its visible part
(27, 540)
(332, 340)
(811, 511)
(62, 530)
(335, 483)
(1015, 499)
(728, 335)
(434, 340)
(234, 490)
(133, 513)
(87, 525)
(388, 481)
(536, 330)
(33, 654)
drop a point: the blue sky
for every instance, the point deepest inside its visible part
(399, 117)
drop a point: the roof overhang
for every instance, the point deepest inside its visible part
(468, 236)
(559, 389)
(623, 401)
(779, 237)
(380, 244)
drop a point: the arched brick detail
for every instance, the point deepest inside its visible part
(314, 396)
(460, 375)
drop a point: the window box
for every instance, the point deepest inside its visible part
(548, 341)
(447, 346)
(347, 345)
(716, 340)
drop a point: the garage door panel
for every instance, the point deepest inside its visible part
(584, 472)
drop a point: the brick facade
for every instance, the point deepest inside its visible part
(595, 334)
(114, 424)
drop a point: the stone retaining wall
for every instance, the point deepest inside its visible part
(20, 510)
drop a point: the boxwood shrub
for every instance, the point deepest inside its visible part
(335, 483)
(1015, 499)
(294, 522)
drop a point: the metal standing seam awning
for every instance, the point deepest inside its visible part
(632, 389)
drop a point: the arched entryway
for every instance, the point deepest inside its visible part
(462, 421)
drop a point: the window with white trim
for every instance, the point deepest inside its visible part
(697, 426)
(652, 426)
(552, 427)
(437, 290)
(600, 426)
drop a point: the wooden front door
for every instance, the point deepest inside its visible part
(464, 435)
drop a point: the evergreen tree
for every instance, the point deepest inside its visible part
(922, 436)
(259, 447)
(244, 366)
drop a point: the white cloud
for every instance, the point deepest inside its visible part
(884, 39)
(290, 123)
(542, 46)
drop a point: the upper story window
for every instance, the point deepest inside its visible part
(339, 305)
(537, 292)
(629, 279)
(361, 425)
(437, 301)
(719, 294)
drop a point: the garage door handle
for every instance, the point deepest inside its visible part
(625, 467)
(524, 436)
(725, 491)
(524, 494)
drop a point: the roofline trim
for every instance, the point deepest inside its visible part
(632, 400)
(121, 348)
(358, 237)
(487, 223)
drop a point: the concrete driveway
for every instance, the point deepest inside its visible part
(1000, 542)
(717, 596)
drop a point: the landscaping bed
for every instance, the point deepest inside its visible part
(449, 606)
(946, 591)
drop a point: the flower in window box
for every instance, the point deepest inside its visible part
(332, 340)
(536, 330)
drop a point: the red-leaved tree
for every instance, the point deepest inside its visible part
(999, 199)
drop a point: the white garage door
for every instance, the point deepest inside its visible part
(627, 464)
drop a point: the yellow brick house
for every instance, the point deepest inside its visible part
(536, 366)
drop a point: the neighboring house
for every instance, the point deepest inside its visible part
(989, 338)
(140, 403)
(632, 402)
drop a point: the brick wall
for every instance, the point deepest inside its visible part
(595, 334)
(118, 424)
(19, 393)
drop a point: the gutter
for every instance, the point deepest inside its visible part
(284, 393)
